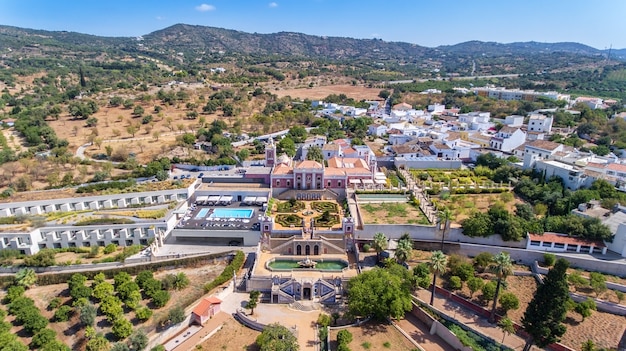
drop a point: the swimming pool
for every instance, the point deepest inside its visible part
(232, 213)
(202, 213)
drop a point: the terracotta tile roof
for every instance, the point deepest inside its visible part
(564, 239)
(331, 147)
(618, 167)
(454, 135)
(309, 164)
(544, 145)
(508, 129)
(596, 165)
(282, 169)
(213, 300)
(402, 106)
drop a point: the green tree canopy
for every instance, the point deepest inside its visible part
(547, 309)
(276, 337)
(379, 293)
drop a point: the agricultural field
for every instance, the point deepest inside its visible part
(50, 298)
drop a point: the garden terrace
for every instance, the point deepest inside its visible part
(293, 213)
(289, 219)
(290, 206)
(456, 181)
(324, 206)
(392, 212)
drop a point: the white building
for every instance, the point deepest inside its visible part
(377, 129)
(514, 121)
(476, 121)
(539, 123)
(539, 150)
(507, 139)
(436, 108)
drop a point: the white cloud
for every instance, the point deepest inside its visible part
(159, 18)
(273, 4)
(205, 8)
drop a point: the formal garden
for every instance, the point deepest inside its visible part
(293, 213)
(459, 181)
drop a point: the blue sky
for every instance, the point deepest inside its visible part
(598, 23)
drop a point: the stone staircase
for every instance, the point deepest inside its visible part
(307, 306)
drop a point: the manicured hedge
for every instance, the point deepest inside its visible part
(227, 274)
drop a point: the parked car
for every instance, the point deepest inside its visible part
(200, 175)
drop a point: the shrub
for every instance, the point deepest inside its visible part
(508, 301)
(63, 314)
(122, 328)
(344, 337)
(110, 249)
(176, 315)
(366, 247)
(323, 320)
(464, 271)
(597, 282)
(455, 283)
(489, 291)
(549, 259)
(143, 313)
(160, 298)
(475, 284)
(54, 303)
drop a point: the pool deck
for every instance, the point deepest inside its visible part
(260, 269)
(215, 223)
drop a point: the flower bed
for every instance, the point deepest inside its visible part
(290, 206)
(288, 220)
(327, 221)
(322, 206)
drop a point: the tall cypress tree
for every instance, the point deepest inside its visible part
(546, 311)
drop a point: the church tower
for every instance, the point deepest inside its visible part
(270, 153)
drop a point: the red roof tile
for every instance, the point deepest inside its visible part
(564, 239)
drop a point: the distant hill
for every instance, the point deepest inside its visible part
(182, 43)
(530, 47)
(184, 38)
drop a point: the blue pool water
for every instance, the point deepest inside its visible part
(202, 213)
(231, 213)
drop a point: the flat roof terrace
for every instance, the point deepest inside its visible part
(236, 216)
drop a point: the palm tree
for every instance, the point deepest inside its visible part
(404, 250)
(445, 215)
(501, 267)
(507, 327)
(380, 244)
(438, 263)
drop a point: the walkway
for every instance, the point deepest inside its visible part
(184, 343)
(278, 313)
(473, 321)
(421, 334)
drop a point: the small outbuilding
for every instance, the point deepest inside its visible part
(207, 308)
